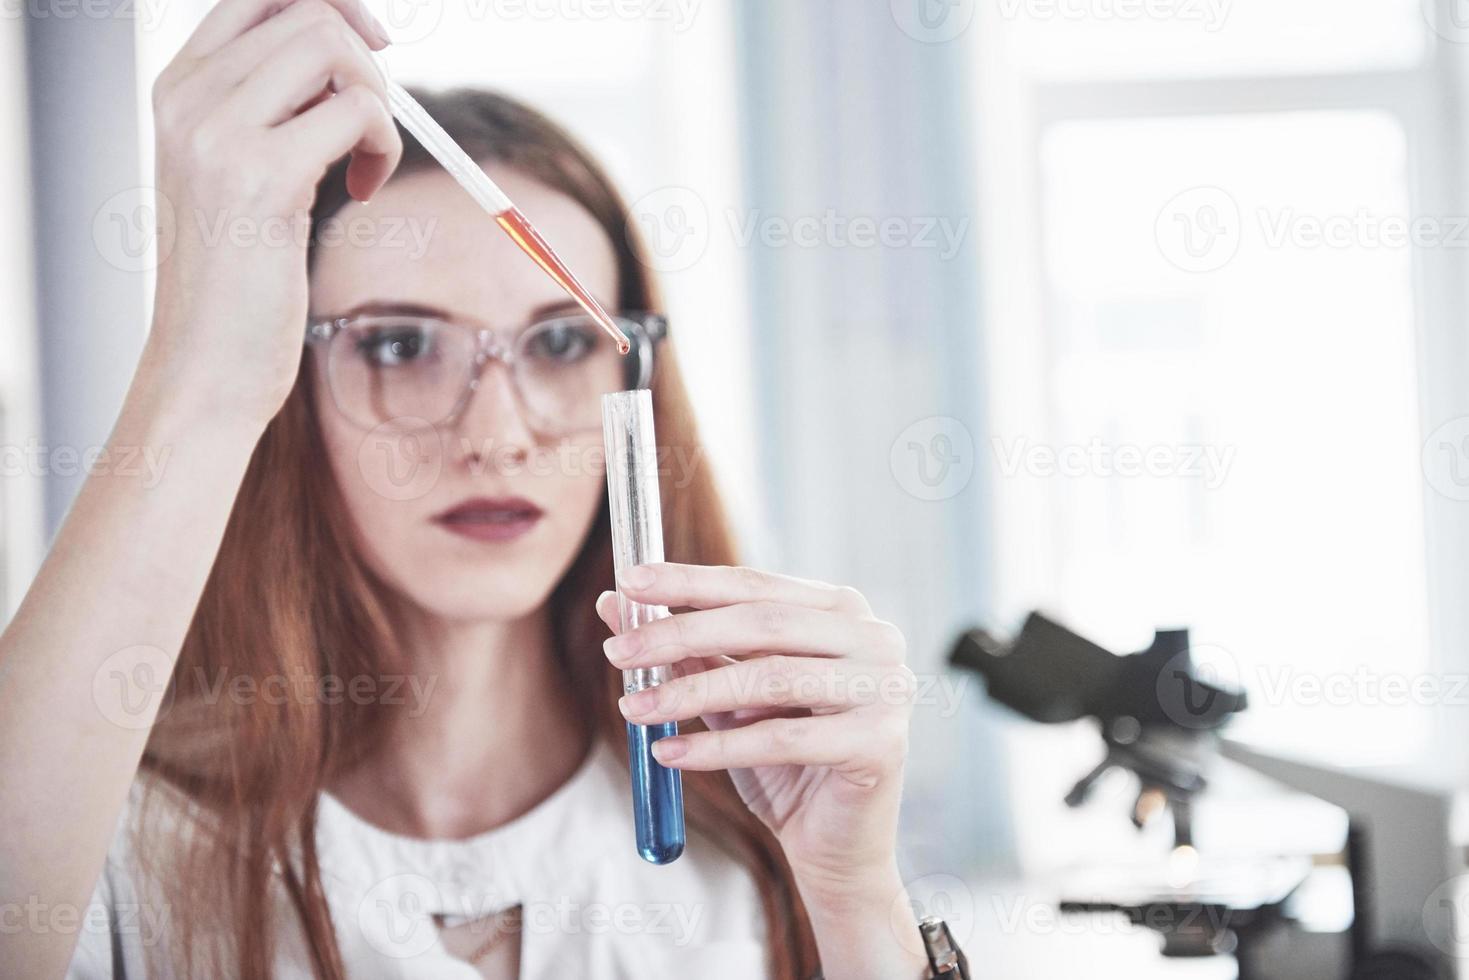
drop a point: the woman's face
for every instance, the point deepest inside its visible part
(477, 519)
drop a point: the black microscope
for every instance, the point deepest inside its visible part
(1160, 719)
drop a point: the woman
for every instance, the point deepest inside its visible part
(392, 743)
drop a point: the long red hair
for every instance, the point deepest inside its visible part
(290, 599)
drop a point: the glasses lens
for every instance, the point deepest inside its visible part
(385, 370)
(563, 367)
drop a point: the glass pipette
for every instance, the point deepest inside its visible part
(473, 179)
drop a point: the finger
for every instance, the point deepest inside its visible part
(608, 612)
(708, 586)
(235, 61)
(755, 627)
(354, 120)
(863, 746)
(325, 56)
(771, 682)
(231, 18)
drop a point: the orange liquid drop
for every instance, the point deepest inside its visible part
(531, 243)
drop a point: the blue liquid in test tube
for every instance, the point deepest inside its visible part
(637, 539)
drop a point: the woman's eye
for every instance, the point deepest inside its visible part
(562, 342)
(394, 348)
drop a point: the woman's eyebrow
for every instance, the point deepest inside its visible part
(391, 307)
(548, 310)
(404, 308)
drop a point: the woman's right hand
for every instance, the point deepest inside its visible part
(260, 101)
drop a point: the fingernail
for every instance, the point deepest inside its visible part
(638, 703)
(670, 749)
(379, 29)
(619, 649)
(604, 597)
(638, 577)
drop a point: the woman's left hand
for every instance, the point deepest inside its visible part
(806, 697)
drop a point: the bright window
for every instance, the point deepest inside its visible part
(1208, 299)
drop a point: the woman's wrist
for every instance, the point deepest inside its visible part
(169, 396)
(865, 928)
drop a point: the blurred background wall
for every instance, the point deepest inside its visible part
(1144, 313)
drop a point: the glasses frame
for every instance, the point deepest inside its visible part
(644, 331)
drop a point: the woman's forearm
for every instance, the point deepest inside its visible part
(869, 933)
(96, 635)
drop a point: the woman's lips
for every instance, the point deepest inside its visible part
(490, 518)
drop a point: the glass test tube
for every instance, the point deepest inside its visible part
(637, 539)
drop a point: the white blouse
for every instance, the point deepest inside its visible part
(591, 908)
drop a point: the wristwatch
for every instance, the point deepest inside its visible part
(945, 958)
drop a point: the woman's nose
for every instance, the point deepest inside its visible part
(492, 430)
